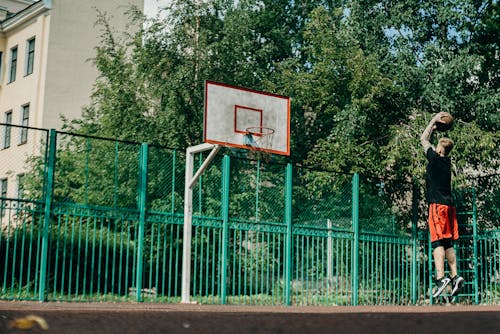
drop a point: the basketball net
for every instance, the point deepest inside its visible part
(259, 138)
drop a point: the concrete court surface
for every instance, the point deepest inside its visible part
(149, 318)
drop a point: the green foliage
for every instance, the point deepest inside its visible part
(364, 78)
(322, 197)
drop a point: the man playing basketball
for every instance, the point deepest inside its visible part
(442, 218)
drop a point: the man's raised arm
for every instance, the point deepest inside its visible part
(425, 138)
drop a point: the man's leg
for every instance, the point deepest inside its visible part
(441, 281)
(439, 255)
(456, 281)
(438, 247)
(452, 261)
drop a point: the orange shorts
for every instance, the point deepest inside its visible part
(442, 222)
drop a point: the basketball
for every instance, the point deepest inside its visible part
(446, 122)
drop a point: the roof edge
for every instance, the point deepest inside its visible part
(26, 14)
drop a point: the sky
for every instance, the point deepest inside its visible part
(151, 6)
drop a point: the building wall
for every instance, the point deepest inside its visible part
(72, 41)
(63, 75)
(25, 89)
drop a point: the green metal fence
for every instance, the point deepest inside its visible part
(101, 220)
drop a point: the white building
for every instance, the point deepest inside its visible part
(45, 72)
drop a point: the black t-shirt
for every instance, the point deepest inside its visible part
(438, 178)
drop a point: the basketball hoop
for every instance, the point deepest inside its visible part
(259, 138)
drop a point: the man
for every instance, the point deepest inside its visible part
(442, 218)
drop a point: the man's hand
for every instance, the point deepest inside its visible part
(437, 119)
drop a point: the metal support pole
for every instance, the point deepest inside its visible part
(142, 190)
(205, 163)
(288, 220)
(355, 248)
(188, 211)
(430, 268)
(414, 242)
(475, 238)
(329, 252)
(186, 244)
(49, 190)
(225, 226)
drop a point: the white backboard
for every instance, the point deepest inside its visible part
(232, 112)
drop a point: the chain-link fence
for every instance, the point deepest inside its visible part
(86, 218)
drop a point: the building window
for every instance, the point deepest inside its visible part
(30, 55)
(1, 67)
(7, 132)
(25, 117)
(20, 186)
(13, 64)
(3, 195)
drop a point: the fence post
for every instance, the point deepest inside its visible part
(142, 191)
(225, 225)
(49, 190)
(355, 248)
(414, 241)
(329, 252)
(288, 220)
(475, 239)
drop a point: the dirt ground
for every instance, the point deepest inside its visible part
(123, 318)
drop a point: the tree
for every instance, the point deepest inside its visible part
(345, 101)
(441, 57)
(153, 79)
(364, 76)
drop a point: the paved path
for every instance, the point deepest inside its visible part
(123, 318)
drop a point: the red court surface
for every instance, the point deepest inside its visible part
(122, 318)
